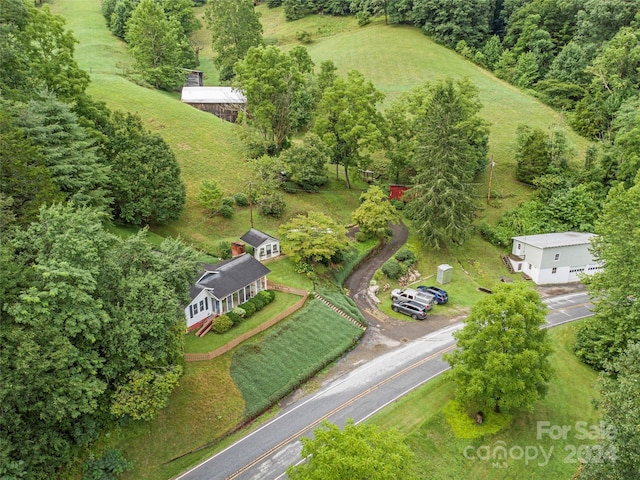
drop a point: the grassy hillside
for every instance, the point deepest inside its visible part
(394, 58)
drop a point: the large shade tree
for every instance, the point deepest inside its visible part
(273, 81)
(235, 28)
(313, 238)
(356, 451)
(452, 145)
(617, 456)
(155, 44)
(85, 315)
(501, 360)
(349, 122)
(146, 183)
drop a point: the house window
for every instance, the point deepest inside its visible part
(195, 308)
(202, 305)
(557, 257)
(554, 270)
(268, 250)
(519, 266)
(275, 248)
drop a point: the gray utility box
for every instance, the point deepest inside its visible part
(444, 274)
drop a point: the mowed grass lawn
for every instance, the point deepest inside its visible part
(439, 455)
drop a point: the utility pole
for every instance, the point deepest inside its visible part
(251, 204)
(492, 164)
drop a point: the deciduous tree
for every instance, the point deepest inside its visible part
(313, 238)
(375, 213)
(617, 454)
(306, 163)
(155, 44)
(501, 360)
(235, 28)
(349, 122)
(357, 451)
(615, 288)
(273, 82)
(146, 184)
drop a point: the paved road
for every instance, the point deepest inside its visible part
(265, 453)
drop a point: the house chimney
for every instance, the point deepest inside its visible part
(237, 249)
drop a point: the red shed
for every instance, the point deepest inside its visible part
(396, 191)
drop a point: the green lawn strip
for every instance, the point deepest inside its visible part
(272, 365)
(440, 455)
(211, 341)
(283, 272)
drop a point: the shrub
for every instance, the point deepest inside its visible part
(107, 467)
(241, 312)
(392, 269)
(259, 303)
(405, 255)
(226, 211)
(224, 250)
(228, 201)
(267, 295)
(235, 318)
(248, 307)
(363, 17)
(398, 204)
(289, 187)
(222, 324)
(361, 237)
(241, 199)
(271, 205)
(303, 36)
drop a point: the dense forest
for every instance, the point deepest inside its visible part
(82, 342)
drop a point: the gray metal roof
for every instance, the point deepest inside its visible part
(228, 276)
(255, 238)
(550, 240)
(212, 95)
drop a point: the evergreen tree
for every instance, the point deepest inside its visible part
(452, 143)
(70, 153)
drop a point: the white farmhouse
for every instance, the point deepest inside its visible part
(223, 286)
(553, 257)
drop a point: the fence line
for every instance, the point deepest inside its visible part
(199, 357)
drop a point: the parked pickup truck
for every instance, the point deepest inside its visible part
(405, 294)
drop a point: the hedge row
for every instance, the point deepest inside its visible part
(225, 322)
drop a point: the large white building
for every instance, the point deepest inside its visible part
(553, 257)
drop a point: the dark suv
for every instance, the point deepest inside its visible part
(415, 310)
(440, 296)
